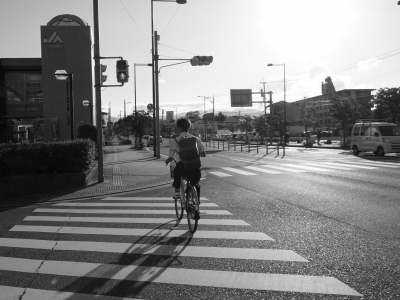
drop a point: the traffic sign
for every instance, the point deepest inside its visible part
(241, 98)
(150, 106)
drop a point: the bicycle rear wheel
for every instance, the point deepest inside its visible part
(179, 202)
(192, 208)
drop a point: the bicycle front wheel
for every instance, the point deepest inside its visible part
(179, 202)
(192, 206)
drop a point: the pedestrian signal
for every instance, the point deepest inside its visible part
(103, 77)
(201, 60)
(122, 71)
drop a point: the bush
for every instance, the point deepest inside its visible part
(126, 142)
(87, 131)
(46, 158)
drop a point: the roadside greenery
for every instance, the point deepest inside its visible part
(387, 105)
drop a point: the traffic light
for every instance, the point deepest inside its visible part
(103, 77)
(201, 60)
(122, 71)
(262, 93)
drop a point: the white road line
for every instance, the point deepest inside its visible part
(199, 234)
(220, 174)
(126, 211)
(307, 167)
(377, 164)
(154, 249)
(238, 171)
(223, 222)
(103, 204)
(142, 198)
(194, 277)
(14, 293)
(349, 164)
(262, 170)
(283, 169)
(322, 164)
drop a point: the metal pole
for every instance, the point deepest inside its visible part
(134, 85)
(156, 114)
(71, 100)
(97, 85)
(153, 73)
(124, 109)
(284, 104)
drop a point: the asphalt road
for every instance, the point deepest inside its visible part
(326, 233)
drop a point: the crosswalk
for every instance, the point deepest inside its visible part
(99, 220)
(301, 167)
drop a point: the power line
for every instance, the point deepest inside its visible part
(170, 19)
(133, 19)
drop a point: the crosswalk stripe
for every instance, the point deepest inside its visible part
(322, 164)
(262, 170)
(103, 204)
(166, 233)
(283, 168)
(126, 211)
(220, 174)
(14, 293)
(143, 198)
(194, 277)
(238, 171)
(349, 164)
(151, 249)
(377, 164)
(307, 167)
(224, 222)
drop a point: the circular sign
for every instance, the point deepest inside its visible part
(85, 102)
(150, 106)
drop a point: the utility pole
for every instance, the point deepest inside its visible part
(265, 103)
(271, 132)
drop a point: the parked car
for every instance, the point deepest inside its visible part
(150, 140)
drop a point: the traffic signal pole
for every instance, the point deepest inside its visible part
(156, 113)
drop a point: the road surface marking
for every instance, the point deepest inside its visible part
(166, 233)
(262, 170)
(14, 293)
(142, 198)
(238, 171)
(125, 211)
(307, 167)
(377, 164)
(103, 204)
(322, 164)
(220, 174)
(283, 169)
(193, 277)
(347, 164)
(154, 249)
(224, 222)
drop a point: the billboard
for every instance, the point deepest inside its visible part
(241, 98)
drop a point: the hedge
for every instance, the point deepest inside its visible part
(46, 158)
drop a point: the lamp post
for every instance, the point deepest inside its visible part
(154, 62)
(63, 75)
(284, 99)
(125, 108)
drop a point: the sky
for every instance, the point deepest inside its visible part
(356, 42)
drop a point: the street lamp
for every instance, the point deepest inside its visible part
(125, 108)
(284, 99)
(87, 103)
(154, 57)
(63, 75)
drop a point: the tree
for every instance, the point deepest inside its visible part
(387, 105)
(261, 125)
(307, 116)
(139, 125)
(345, 112)
(87, 131)
(220, 117)
(245, 124)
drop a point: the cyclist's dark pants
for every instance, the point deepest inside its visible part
(194, 176)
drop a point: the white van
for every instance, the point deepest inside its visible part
(377, 136)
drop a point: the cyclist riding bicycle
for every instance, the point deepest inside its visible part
(192, 169)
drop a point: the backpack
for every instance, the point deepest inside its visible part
(189, 153)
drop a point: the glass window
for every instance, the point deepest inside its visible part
(389, 130)
(363, 130)
(34, 96)
(14, 77)
(34, 77)
(15, 96)
(356, 131)
(373, 131)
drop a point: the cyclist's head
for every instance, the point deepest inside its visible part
(183, 124)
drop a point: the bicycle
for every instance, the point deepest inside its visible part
(190, 203)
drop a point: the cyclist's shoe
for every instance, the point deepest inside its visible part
(177, 193)
(197, 216)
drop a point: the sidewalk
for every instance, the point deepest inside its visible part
(125, 169)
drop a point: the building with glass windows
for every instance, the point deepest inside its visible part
(34, 105)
